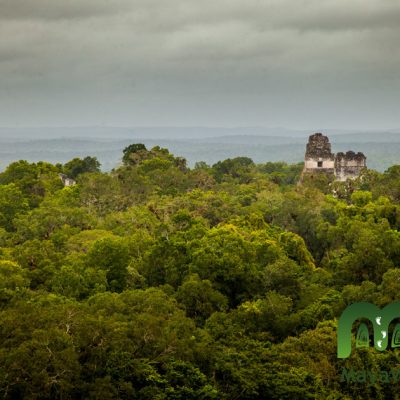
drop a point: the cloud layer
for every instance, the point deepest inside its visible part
(295, 63)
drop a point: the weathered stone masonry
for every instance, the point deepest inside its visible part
(319, 158)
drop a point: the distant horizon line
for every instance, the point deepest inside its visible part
(313, 130)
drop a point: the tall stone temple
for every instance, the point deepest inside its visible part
(319, 158)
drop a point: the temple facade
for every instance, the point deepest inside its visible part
(320, 159)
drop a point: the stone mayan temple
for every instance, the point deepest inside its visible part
(319, 158)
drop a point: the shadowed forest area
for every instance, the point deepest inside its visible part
(160, 281)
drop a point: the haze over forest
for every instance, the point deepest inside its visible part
(195, 144)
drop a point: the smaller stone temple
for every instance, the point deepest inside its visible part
(66, 180)
(320, 159)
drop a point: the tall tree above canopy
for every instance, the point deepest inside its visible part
(134, 153)
(79, 166)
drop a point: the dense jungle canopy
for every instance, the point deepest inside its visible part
(159, 281)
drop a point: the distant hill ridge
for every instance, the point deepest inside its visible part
(62, 144)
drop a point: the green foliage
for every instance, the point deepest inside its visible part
(361, 198)
(200, 299)
(318, 180)
(133, 153)
(12, 203)
(239, 167)
(33, 180)
(157, 281)
(79, 166)
(112, 256)
(282, 173)
(13, 280)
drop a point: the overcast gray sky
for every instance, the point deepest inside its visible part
(304, 64)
